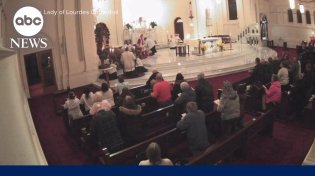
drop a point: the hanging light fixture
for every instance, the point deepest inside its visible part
(218, 1)
(292, 4)
(302, 9)
(190, 11)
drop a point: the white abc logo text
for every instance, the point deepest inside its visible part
(28, 21)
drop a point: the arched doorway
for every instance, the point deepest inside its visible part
(179, 27)
(264, 28)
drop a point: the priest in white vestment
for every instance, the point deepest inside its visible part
(128, 60)
(172, 42)
(151, 45)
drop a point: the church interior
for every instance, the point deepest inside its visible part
(215, 47)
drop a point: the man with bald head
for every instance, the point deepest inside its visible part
(162, 91)
(154, 73)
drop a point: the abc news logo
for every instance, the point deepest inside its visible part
(28, 21)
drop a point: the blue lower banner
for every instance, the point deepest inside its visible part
(158, 170)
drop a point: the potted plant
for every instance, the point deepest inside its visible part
(129, 26)
(102, 35)
(153, 24)
(204, 48)
(221, 45)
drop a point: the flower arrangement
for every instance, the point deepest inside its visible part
(204, 48)
(221, 45)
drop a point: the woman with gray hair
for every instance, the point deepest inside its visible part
(229, 107)
(187, 95)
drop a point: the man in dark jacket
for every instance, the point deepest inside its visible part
(188, 95)
(194, 124)
(105, 129)
(204, 94)
(154, 73)
(257, 74)
(309, 80)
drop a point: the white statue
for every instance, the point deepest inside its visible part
(208, 19)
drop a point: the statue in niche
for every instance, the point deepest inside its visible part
(263, 28)
(141, 23)
(208, 19)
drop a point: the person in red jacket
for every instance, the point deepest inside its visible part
(273, 94)
(162, 91)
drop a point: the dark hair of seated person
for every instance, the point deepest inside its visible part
(121, 79)
(154, 154)
(179, 77)
(125, 92)
(104, 87)
(71, 96)
(86, 91)
(241, 89)
(129, 103)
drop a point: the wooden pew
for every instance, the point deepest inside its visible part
(148, 104)
(140, 91)
(246, 81)
(57, 94)
(220, 150)
(168, 141)
(154, 123)
(254, 99)
(308, 117)
(159, 121)
(281, 112)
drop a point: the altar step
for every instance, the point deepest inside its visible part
(213, 65)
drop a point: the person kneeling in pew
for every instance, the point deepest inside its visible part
(194, 124)
(154, 156)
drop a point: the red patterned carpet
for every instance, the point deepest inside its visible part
(289, 145)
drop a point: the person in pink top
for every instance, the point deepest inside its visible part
(273, 94)
(162, 91)
(99, 104)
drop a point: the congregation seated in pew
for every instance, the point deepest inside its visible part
(99, 104)
(130, 122)
(104, 129)
(176, 88)
(87, 99)
(121, 85)
(194, 125)
(153, 153)
(204, 94)
(107, 94)
(273, 94)
(73, 106)
(125, 92)
(187, 95)
(162, 91)
(229, 107)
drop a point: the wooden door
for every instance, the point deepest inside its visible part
(179, 27)
(47, 71)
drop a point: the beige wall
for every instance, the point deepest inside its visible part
(72, 66)
(279, 26)
(19, 141)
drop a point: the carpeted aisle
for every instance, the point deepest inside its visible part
(289, 145)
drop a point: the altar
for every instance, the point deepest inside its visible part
(211, 42)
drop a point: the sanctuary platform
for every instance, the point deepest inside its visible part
(240, 58)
